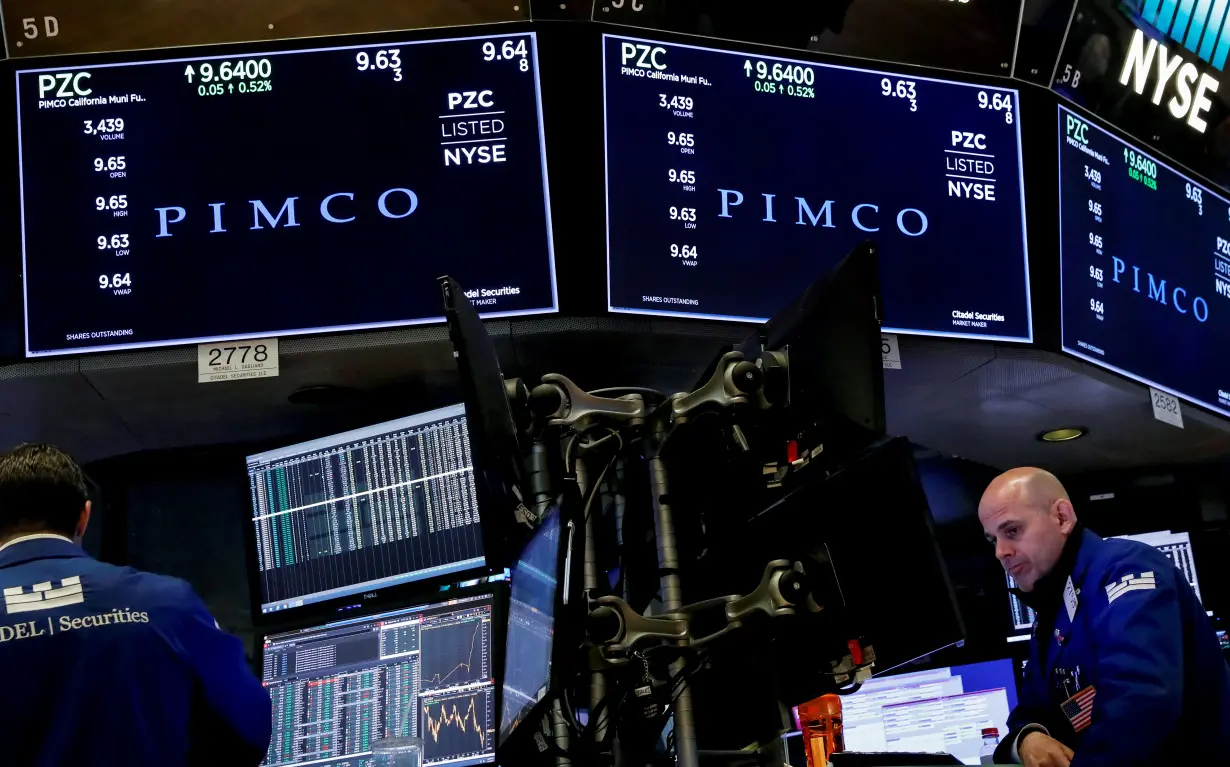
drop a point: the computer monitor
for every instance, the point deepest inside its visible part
(422, 671)
(1178, 549)
(831, 332)
(940, 710)
(1022, 615)
(1177, 546)
(866, 539)
(365, 510)
(530, 647)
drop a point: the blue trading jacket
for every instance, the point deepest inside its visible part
(105, 665)
(1139, 652)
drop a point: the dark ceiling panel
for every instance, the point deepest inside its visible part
(43, 27)
(983, 402)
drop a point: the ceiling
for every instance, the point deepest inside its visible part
(980, 401)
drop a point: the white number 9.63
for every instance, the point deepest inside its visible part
(382, 60)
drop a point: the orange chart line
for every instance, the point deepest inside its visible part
(456, 720)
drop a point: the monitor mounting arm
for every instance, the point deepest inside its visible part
(616, 629)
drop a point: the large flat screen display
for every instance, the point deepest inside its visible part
(531, 626)
(195, 199)
(1145, 265)
(365, 510)
(941, 710)
(1156, 69)
(426, 671)
(734, 180)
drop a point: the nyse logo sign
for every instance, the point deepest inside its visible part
(1199, 26)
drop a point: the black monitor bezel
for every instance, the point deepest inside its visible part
(498, 591)
(1036, 266)
(567, 637)
(360, 599)
(13, 267)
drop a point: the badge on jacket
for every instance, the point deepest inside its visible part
(1079, 708)
(1069, 599)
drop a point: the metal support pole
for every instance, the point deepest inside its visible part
(559, 729)
(592, 580)
(672, 599)
(621, 502)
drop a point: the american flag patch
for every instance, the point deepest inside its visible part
(1130, 582)
(1079, 708)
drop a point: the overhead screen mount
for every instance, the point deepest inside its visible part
(147, 198)
(1147, 302)
(690, 222)
(364, 511)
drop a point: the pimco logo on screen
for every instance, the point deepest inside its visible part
(1202, 29)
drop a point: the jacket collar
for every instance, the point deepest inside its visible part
(1091, 544)
(1078, 552)
(43, 546)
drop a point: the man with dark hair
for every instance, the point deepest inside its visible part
(106, 665)
(1124, 665)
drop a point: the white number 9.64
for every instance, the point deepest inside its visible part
(508, 50)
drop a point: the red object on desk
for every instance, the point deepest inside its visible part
(820, 720)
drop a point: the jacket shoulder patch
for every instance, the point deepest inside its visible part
(1143, 582)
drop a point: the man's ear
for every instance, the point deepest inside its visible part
(1066, 514)
(83, 522)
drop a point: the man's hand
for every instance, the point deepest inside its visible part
(1037, 749)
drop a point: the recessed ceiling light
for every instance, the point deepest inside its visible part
(1065, 434)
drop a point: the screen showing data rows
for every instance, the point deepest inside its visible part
(1145, 265)
(372, 508)
(423, 672)
(734, 180)
(195, 199)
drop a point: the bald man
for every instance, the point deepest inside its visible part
(1124, 665)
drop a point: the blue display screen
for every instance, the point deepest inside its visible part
(1145, 265)
(531, 626)
(734, 180)
(939, 710)
(192, 200)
